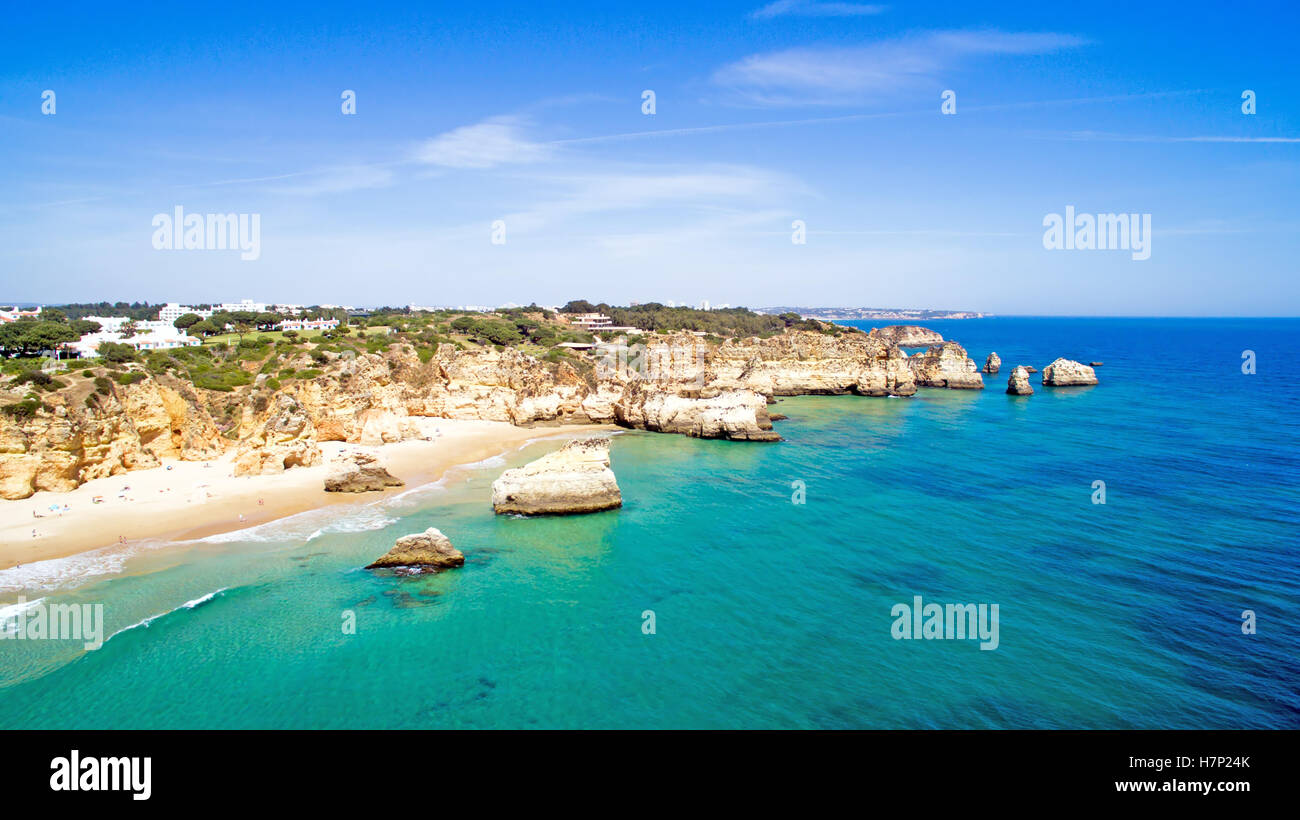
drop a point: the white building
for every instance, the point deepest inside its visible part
(14, 315)
(590, 321)
(114, 324)
(171, 311)
(309, 324)
(157, 338)
(244, 305)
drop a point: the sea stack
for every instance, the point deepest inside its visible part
(1067, 373)
(422, 549)
(574, 479)
(359, 473)
(946, 365)
(1018, 384)
(993, 363)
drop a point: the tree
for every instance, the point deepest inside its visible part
(115, 352)
(186, 321)
(128, 329)
(578, 306)
(84, 326)
(53, 315)
(29, 337)
(203, 327)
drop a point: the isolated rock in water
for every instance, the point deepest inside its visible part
(422, 549)
(946, 365)
(907, 335)
(739, 415)
(993, 363)
(359, 473)
(1066, 372)
(1095, 364)
(1018, 384)
(777, 417)
(574, 479)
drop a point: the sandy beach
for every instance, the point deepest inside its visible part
(192, 499)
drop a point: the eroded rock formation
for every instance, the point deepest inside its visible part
(907, 335)
(359, 473)
(993, 363)
(678, 383)
(286, 439)
(574, 479)
(422, 549)
(946, 365)
(1067, 372)
(1018, 384)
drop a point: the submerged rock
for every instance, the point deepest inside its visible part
(360, 473)
(993, 363)
(1018, 384)
(1067, 372)
(574, 479)
(422, 549)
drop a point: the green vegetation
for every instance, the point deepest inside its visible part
(24, 409)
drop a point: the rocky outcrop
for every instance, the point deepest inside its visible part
(1095, 364)
(285, 440)
(428, 549)
(1066, 373)
(739, 415)
(801, 363)
(946, 365)
(907, 335)
(574, 479)
(993, 363)
(359, 473)
(677, 383)
(83, 433)
(1018, 384)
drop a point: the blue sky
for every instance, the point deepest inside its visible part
(531, 113)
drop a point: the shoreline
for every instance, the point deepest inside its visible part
(184, 500)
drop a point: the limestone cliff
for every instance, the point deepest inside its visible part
(677, 383)
(907, 335)
(85, 433)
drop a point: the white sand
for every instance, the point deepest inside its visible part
(192, 499)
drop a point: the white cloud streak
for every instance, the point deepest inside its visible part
(810, 8)
(854, 74)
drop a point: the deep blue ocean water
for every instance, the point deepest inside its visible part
(770, 613)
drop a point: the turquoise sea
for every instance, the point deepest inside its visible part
(769, 613)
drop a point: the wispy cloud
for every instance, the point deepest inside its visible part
(679, 192)
(1102, 136)
(487, 144)
(847, 75)
(811, 8)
